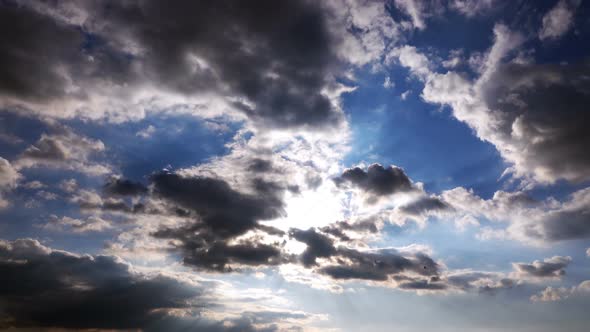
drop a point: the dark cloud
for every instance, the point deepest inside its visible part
(318, 245)
(424, 205)
(32, 48)
(123, 187)
(543, 109)
(258, 165)
(348, 263)
(202, 249)
(40, 287)
(339, 229)
(376, 180)
(223, 210)
(549, 268)
(563, 225)
(220, 214)
(379, 265)
(47, 148)
(271, 61)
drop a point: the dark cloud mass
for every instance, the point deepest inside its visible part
(223, 210)
(32, 47)
(220, 214)
(424, 205)
(40, 287)
(124, 187)
(547, 109)
(274, 59)
(378, 265)
(376, 180)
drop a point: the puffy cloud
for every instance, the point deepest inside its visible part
(471, 8)
(42, 287)
(551, 294)
(376, 180)
(66, 150)
(276, 71)
(553, 267)
(559, 20)
(512, 105)
(222, 213)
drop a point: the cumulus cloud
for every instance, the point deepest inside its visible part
(273, 64)
(221, 213)
(553, 267)
(53, 289)
(49, 288)
(512, 105)
(552, 294)
(124, 187)
(64, 149)
(526, 219)
(376, 180)
(559, 20)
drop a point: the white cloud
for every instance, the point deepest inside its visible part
(64, 149)
(472, 8)
(67, 224)
(146, 132)
(551, 294)
(559, 20)
(9, 177)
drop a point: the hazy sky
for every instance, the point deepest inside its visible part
(338, 165)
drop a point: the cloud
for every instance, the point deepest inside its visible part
(382, 265)
(551, 294)
(318, 245)
(44, 288)
(553, 267)
(471, 8)
(64, 149)
(528, 220)
(124, 187)
(424, 205)
(376, 180)
(272, 64)
(67, 224)
(512, 105)
(221, 213)
(9, 177)
(559, 20)
(49, 288)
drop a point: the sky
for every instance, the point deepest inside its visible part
(337, 165)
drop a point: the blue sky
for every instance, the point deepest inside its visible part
(346, 165)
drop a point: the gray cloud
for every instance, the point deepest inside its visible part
(376, 180)
(220, 213)
(548, 268)
(424, 205)
(47, 288)
(272, 62)
(124, 187)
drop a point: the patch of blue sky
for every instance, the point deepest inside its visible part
(140, 148)
(424, 139)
